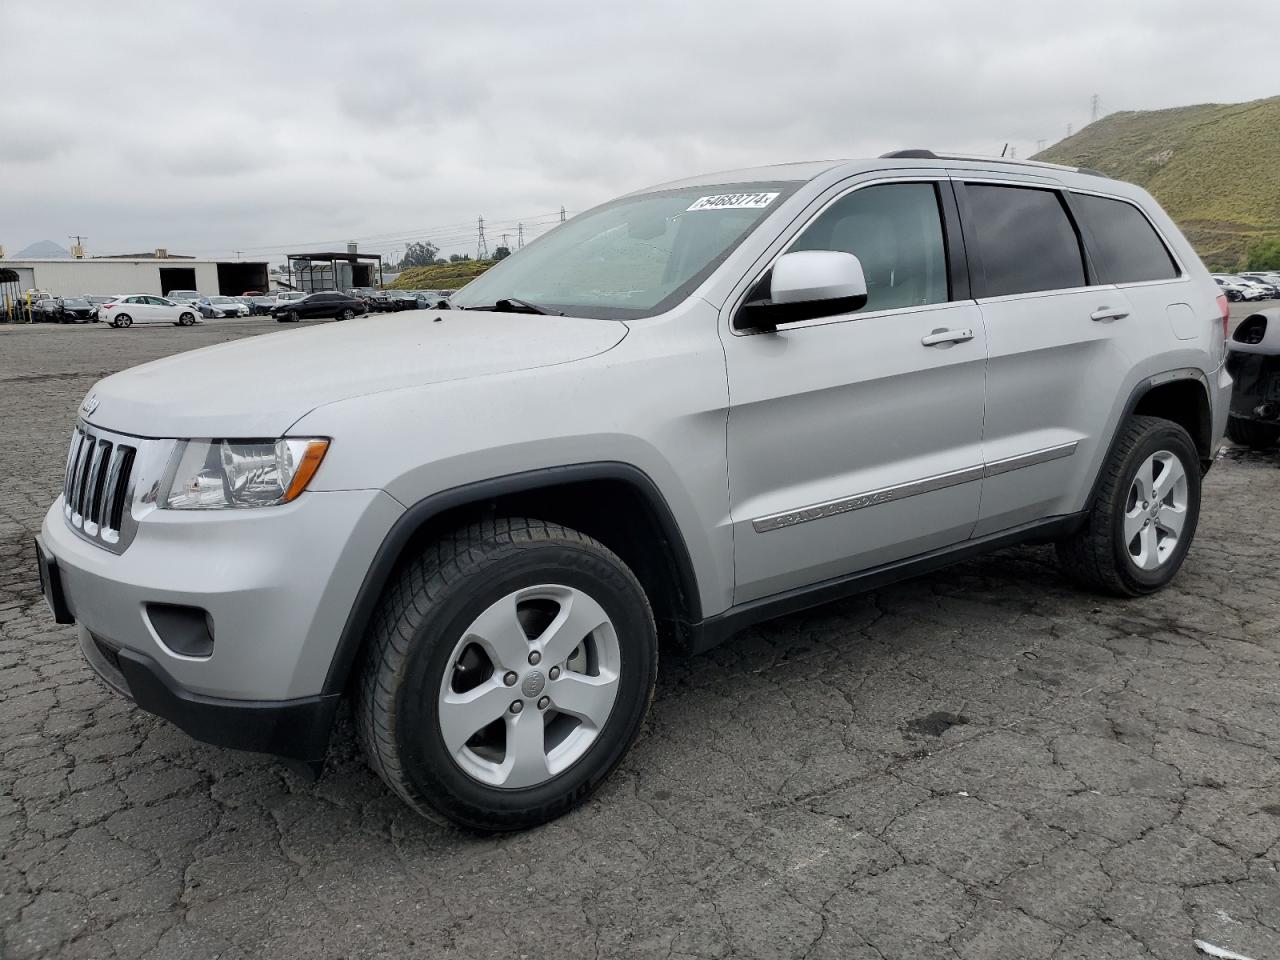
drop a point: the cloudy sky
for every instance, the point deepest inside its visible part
(263, 127)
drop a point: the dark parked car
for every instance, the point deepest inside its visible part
(402, 300)
(75, 310)
(315, 306)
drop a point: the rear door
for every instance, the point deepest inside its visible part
(1057, 350)
(855, 440)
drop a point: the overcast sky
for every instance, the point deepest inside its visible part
(271, 127)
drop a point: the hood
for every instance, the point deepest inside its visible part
(259, 386)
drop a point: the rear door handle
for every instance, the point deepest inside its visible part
(946, 336)
(1109, 313)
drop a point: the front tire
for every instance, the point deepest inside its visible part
(1144, 515)
(187, 319)
(505, 674)
(123, 320)
(1250, 433)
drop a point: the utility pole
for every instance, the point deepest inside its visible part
(1013, 153)
(78, 249)
(237, 253)
(482, 245)
(520, 236)
(1093, 108)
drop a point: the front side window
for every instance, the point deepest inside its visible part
(1025, 238)
(895, 231)
(633, 257)
(1127, 247)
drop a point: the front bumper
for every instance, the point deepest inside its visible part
(276, 584)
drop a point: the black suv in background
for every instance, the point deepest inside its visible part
(316, 306)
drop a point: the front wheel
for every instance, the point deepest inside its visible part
(1144, 514)
(124, 320)
(187, 319)
(506, 674)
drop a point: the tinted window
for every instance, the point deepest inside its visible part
(895, 230)
(1128, 249)
(1025, 238)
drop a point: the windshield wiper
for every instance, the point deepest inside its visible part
(516, 305)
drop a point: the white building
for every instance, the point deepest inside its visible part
(155, 273)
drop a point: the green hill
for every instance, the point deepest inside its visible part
(1214, 167)
(441, 276)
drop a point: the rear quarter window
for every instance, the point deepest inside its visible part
(1125, 245)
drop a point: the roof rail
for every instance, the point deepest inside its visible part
(919, 154)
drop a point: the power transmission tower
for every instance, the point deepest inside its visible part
(1040, 145)
(482, 245)
(519, 236)
(1068, 129)
(1093, 108)
(1013, 153)
(505, 243)
(562, 213)
(78, 249)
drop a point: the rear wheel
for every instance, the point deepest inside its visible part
(506, 674)
(347, 314)
(1144, 515)
(1250, 433)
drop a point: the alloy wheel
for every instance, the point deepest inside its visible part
(1155, 510)
(529, 686)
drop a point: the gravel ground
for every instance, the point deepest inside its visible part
(983, 763)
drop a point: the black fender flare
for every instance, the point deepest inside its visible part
(419, 513)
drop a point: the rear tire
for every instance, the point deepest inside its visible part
(1250, 433)
(346, 315)
(1149, 486)
(437, 636)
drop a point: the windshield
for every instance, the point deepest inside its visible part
(633, 257)
(221, 300)
(75, 303)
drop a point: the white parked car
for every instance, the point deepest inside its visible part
(125, 311)
(183, 296)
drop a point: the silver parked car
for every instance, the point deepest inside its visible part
(684, 411)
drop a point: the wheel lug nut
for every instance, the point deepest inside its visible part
(544, 702)
(516, 706)
(534, 658)
(555, 673)
(510, 679)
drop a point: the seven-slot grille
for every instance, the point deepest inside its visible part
(97, 486)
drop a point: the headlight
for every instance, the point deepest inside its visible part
(214, 474)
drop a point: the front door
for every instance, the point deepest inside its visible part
(855, 440)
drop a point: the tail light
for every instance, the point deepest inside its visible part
(1225, 309)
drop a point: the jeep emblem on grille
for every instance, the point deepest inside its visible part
(90, 404)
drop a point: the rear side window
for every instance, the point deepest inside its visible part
(895, 230)
(1128, 249)
(1026, 239)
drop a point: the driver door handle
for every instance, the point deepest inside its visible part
(946, 336)
(1109, 313)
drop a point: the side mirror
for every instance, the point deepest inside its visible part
(802, 286)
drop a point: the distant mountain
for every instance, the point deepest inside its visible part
(1214, 167)
(44, 250)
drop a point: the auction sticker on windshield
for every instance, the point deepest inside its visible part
(733, 201)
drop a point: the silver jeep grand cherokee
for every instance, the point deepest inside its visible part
(682, 412)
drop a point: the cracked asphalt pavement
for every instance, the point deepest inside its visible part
(982, 763)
